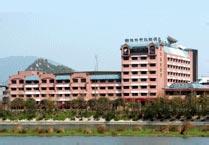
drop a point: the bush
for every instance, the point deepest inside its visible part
(137, 128)
(50, 130)
(175, 128)
(205, 128)
(163, 128)
(87, 131)
(185, 127)
(60, 130)
(101, 129)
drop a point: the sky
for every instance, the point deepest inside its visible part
(73, 32)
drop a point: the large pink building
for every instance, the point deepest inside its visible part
(148, 66)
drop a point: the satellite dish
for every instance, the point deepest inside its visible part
(171, 40)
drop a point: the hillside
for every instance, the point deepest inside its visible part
(44, 65)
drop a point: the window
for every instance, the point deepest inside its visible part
(126, 73)
(152, 87)
(152, 57)
(125, 58)
(43, 88)
(152, 94)
(28, 89)
(143, 65)
(134, 65)
(21, 81)
(143, 80)
(152, 64)
(67, 88)
(134, 94)
(143, 58)
(51, 81)
(126, 65)
(134, 80)
(126, 94)
(143, 94)
(134, 58)
(118, 87)
(125, 87)
(13, 89)
(75, 80)
(51, 88)
(14, 81)
(83, 80)
(143, 87)
(134, 72)
(102, 88)
(75, 88)
(152, 72)
(143, 72)
(134, 87)
(44, 81)
(152, 79)
(126, 80)
(110, 88)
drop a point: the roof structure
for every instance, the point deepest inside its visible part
(32, 78)
(62, 77)
(105, 77)
(194, 85)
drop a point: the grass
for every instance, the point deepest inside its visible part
(104, 131)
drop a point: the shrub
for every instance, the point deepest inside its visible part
(18, 129)
(175, 128)
(114, 133)
(50, 130)
(163, 129)
(87, 131)
(60, 130)
(120, 129)
(137, 128)
(185, 127)
(205, 128)
(101, 129)
(3, 130)
(40, 130)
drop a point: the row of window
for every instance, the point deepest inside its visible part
(177, 81)
(139, 94)
(140, 72)
(47, 81)
(104, 88)
(178, 60)
(138, 80)
(141, 87)
(50, 88)
(178, 74)
(178, 67)
(138, 58)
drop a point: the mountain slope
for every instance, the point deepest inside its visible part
(44, 65)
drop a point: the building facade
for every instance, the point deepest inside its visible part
(148, 65)
(64, 87)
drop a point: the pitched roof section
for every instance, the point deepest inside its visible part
(105, 77)
(187, 86)
(32, 78)
(63, 77)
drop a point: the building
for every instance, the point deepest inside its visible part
(204, 81)
(151, 64)
(148, 65)
(184, 90)
(64, 87)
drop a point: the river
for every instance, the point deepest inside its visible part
(103, 141)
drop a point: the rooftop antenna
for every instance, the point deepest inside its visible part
(96, 63)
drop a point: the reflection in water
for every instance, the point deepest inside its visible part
(103, 141)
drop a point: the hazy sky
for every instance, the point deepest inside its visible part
(72, 32)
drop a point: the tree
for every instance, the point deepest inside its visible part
(47, 105)
(18, 103)
(30, 108)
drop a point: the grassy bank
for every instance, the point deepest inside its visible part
(185, 130)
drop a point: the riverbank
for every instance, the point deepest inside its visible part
(185, 130)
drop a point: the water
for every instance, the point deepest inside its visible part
(103, 141)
